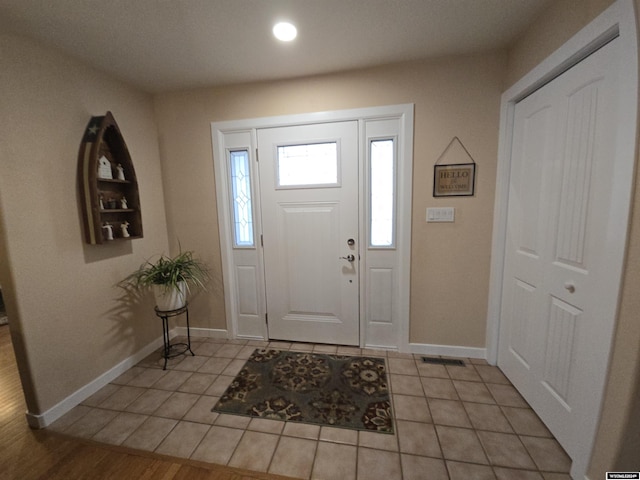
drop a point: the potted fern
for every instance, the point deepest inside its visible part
(170, 279)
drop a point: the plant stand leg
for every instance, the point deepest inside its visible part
(189, 335)
(166, 340)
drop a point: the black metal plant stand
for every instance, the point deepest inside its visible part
(173, 350)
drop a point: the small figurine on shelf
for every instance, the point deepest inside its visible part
(123, 203)
(109, 228)
(124, 226)
(104, 168)
(111, 203)
(120, 172)
(101, 203)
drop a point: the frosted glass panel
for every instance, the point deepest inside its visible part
(382, 174)
(312, 164)
(241, 191)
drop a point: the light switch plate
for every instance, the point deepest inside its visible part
(441, 214)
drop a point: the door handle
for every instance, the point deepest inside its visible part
(349, 258)
(570, 287)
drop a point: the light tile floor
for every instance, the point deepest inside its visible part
(451, 422)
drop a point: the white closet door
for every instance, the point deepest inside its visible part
(561, 276)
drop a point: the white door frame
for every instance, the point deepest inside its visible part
(393, 332)
(617, 20)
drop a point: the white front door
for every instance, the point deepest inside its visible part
(563, 259)
(309, 198)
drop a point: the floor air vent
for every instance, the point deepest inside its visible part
(443, 361)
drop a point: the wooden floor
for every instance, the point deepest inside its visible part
(37, 454)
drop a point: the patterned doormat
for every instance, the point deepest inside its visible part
(335, 390)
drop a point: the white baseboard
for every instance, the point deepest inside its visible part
(45, 419)
(201, 332)
(447, 350)
(256, 338)
(381, 347)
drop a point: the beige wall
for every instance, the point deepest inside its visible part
(67, 327)
(450, 262)
(562, 20)
(617, 442)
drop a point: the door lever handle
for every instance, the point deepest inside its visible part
(349, 258)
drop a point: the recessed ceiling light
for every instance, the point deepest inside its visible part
(285, 31)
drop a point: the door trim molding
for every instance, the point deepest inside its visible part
(619, 20)
(247, 129)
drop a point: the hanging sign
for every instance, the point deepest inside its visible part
(454, 180)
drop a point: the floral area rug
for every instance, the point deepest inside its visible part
(335, 390)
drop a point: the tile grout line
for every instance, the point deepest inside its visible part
(275, 449)
(315, 456)
(394, 419)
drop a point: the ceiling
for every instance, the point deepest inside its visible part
(163, 45)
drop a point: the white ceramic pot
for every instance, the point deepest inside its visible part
(170, 299)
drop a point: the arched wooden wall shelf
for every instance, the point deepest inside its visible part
(108, 186)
